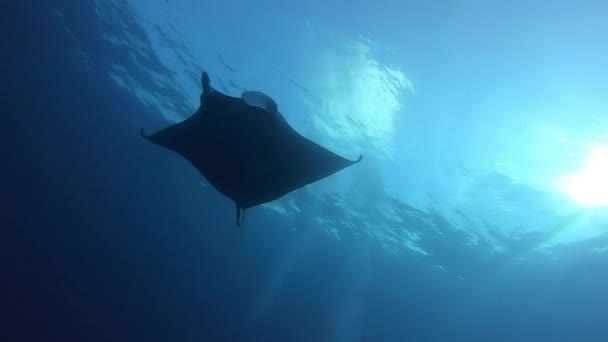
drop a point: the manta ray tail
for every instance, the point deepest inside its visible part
(240, 222)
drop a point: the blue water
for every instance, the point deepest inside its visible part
(479, 212)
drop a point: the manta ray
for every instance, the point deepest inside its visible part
(245, 148)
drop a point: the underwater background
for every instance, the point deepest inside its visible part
(479, 211)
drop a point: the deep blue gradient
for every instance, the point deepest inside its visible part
(108, 238)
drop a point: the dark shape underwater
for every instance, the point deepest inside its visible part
(245, 148)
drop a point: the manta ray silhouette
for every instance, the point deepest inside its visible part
(245, 148)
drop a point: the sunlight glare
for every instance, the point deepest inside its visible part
(589, 186)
